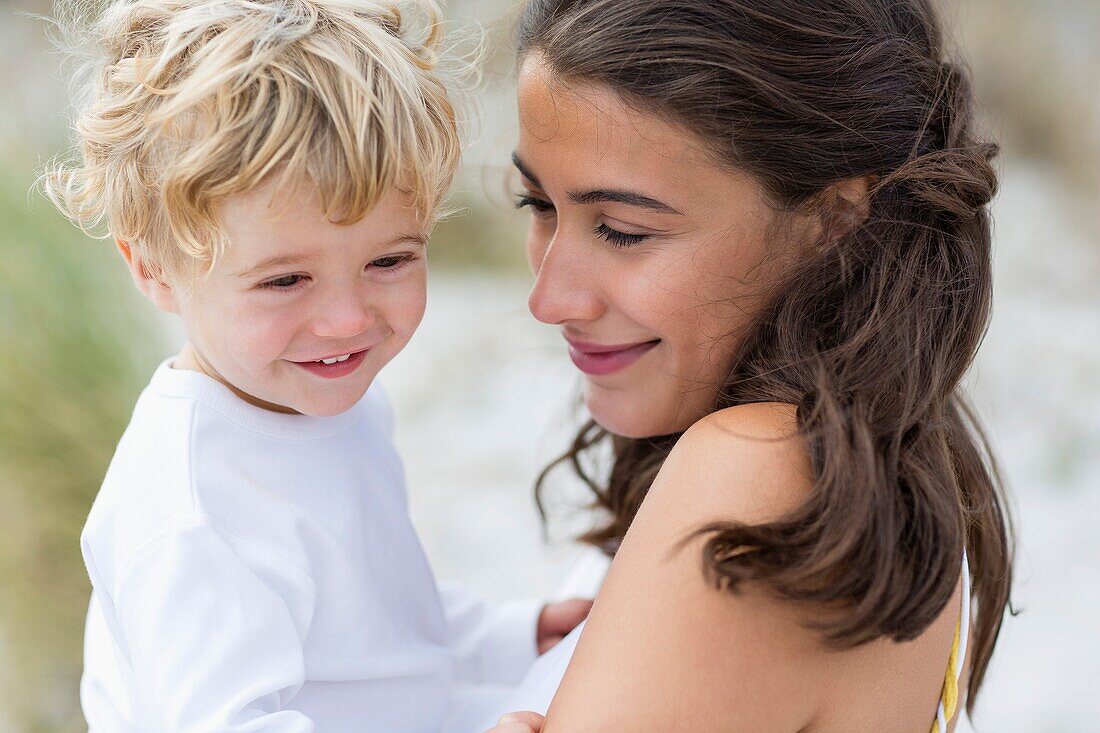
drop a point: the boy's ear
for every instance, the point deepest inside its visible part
(149, 280)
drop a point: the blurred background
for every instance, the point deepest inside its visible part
(485, 396)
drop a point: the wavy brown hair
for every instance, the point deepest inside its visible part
(872, 330)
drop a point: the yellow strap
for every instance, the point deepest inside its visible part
(949, 698)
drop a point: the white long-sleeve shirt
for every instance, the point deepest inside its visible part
(542, 680)
(256, 571)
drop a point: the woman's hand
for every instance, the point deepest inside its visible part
(518, 723)
(558, 619)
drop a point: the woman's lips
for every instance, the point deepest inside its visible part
(598, 359)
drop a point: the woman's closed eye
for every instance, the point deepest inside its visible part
(617, 238)
(543, 207)
(537, 205)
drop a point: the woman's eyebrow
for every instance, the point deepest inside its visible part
(630, 198)
(524, 170)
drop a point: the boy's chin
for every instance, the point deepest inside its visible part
(325, 411)
(327, 407)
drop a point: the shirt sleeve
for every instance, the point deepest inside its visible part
(214, 630)
(491, 643)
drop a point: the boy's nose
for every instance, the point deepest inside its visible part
(342, 317)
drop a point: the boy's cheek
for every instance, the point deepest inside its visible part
(247, 319)
(414, 302)
(235, 336)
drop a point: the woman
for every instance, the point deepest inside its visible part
(761, 227)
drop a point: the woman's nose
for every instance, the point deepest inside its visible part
(342, 314)
(566, 285)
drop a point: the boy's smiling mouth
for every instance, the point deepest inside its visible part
(333, 367)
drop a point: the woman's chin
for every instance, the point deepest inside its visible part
(627, 418)
(642, 413)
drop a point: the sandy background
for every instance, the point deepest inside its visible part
(485, 395)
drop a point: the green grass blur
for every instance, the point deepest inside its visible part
(77, 349)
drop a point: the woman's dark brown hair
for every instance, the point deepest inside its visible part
(872, 330)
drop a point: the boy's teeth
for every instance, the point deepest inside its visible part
(335, 359)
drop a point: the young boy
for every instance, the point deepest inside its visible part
(270, 171)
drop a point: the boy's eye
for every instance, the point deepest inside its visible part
(541, 206)
(390, 261)
(286, 281)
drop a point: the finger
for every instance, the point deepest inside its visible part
(525, 717)
(564, 616)
(524, 722)
(547, 643)
(513, 728)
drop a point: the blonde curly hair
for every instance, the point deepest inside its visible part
(182, 103)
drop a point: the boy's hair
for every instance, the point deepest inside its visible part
(186, 102)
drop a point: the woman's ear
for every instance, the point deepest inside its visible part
(843, 207)
(149, 279)
(854, 197)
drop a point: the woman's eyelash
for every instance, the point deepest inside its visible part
(523, 201)
(617, 238)
(614, 236)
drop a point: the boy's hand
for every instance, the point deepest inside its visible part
(518, 723)
(558, 619)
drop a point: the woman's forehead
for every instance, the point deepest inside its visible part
(578, 137)
(594, 121)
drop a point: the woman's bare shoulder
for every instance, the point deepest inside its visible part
(747, 464)
(663, 648)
